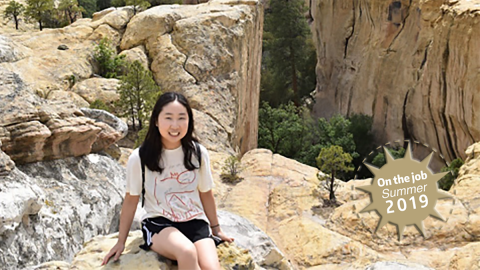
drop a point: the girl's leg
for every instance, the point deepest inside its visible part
(207, 254)
(172, 244)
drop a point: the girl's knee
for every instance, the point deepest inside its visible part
(188, 252)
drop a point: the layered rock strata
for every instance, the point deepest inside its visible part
(411, 65)
(49, 208)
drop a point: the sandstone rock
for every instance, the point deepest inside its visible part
(133, 257)
(282, 198)
(211, 134)
(6, 164)
(136, 54)
(98, 88)
(100, 14)
(61, 95)
(217, 69)
(53, 265)
(11, 51)
(396, 266)
(117, 18)
(106, 31)
(49, 130)
(277, 196)
(260, 246)
(48, 69)
(50, 208)
(466, 188)
(468, 258)
(18, 200)
(407, 64)
(107, 118)
(252, 249)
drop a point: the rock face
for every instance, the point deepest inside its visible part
(33, 129)
(282, 198)
(409, 64)
(48, 209)
(210, 52)
(465, 189)
(263, 253)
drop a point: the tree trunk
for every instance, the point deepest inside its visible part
(70, 16)
(40, 24)
(16, 22)
(294, 77)
(332, 192)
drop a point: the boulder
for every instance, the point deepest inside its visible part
(48, 129)
(98, 89)
(50, 208)
(211, 53)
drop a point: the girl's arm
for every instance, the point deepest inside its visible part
(208, 202)
(129, 208)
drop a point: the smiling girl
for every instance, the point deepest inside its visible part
(180, 208)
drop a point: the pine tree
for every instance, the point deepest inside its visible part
(332, 160)
(39, 11)
(138, 93)
(89, 7)
(70, 8)
(288, 72)
(13, 11)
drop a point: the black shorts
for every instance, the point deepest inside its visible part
(194, 230)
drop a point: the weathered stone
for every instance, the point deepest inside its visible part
(106, 31)
(62, 95)
(247, 236)
(98, 89)
(466, 188)
(136, 54)
(33, 129)
(107, 118)
(6, 163)
(468, 257)
(407, 64)
(11, 51)
(116, 19)
(211, 57)
(396, 266)
(211, 134)
(62, 47)
(50, 208)
(133, 257)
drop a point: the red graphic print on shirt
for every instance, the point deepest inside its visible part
(180, 207)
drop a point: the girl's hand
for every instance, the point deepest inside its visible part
(116, 250)
(218, 232)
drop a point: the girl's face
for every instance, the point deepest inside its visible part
(172, 124)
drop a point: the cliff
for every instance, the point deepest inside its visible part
(409, 64)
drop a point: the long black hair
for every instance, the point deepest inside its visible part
(152, 147)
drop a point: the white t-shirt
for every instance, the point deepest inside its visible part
(173, 194)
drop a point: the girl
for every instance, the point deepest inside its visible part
(177, 192)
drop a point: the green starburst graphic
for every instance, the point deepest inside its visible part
(404, 192)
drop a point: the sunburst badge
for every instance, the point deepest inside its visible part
(404, 192)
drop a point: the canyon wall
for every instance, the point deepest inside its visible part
(411, 65)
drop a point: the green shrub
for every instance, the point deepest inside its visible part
(231, 169)
(447, 181)
(109, 63)
(99, 105)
